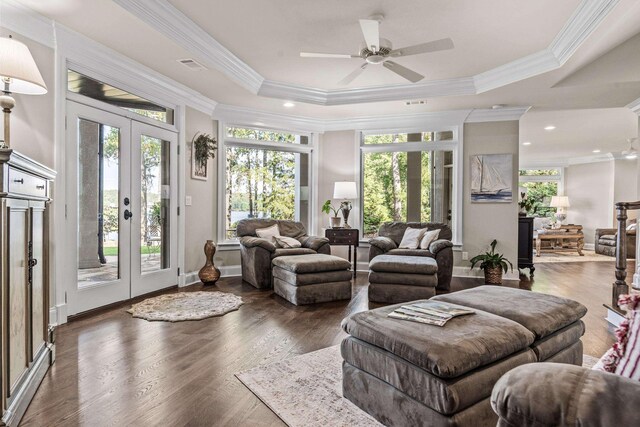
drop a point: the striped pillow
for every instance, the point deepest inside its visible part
(624, 357)
(629, 363)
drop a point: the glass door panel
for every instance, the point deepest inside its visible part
(155, 204)
(98, 143)
(154, 184)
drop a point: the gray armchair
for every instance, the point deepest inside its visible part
(554, 394)
(606, 241)
(390, 236)
(256, 254)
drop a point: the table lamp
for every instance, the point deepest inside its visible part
(346, 191)
(19, 74)
(561, 203)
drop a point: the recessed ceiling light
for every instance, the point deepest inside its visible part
(550, 127)
(259, 124)
(526, 143)
(289, 104)
(596, 151)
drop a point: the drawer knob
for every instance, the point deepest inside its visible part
(40, 187)
(19, 181)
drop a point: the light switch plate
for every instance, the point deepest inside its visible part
(465, 256)
(187, 200)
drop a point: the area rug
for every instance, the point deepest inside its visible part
(306, 390)
(186, 306)
(557, 257)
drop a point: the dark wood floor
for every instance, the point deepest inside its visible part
(112, 369)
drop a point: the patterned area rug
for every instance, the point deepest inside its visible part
(306, 390)
(186, 306)
(556, 257)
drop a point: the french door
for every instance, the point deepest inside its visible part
(121, 207)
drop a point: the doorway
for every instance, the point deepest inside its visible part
(122, 206)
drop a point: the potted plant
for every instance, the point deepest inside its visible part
(327, 208)
(526, 204)
(493, 265)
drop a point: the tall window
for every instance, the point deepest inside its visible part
(408, 177)
(267, 176)
(540, 185)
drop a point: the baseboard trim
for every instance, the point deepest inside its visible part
(590, 246)
(58, 314)
(225, 271)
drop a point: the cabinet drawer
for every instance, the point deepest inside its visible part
(344, 236)
(26, 184)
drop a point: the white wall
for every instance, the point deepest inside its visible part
(483, 222)
(590, 188)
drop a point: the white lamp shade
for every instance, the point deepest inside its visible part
(559, 202)
(345, 190)
(17, 64)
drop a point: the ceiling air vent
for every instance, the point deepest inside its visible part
(192, 64)
(416, 102)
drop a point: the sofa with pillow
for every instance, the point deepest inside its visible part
(262, 240)
(606, 240)
(390, 241)
(551, 394)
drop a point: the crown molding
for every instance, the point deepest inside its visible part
(90, 57)
(16, 17)
(634, 106)
(595, 158)
(497, 114)
(169, 21)
(439, 119)
(586, 18)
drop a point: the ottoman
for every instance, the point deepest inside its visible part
(400, 278)
(313, 278)
(554, 321)
(410, 374)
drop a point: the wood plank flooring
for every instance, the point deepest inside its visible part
(113, 370)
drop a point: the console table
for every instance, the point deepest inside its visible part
(345, 237)
(565, 238)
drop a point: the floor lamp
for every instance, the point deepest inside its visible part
(19, 74)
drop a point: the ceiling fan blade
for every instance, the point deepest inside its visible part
(351, 77)
(433, 46)
(326, 55)
(371, 32)
(408, 74)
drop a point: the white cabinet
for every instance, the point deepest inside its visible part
(26, 347)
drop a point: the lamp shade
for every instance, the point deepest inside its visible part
(345, 190)
(17, 64)
(559, 202)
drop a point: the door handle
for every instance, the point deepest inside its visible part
(127, 214)
(126, 201)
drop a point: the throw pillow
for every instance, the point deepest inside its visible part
(268, 233)
(411, 238)
(624, 357)
(428, 238)
(287, 242)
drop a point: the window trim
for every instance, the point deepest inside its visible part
(228, 244)
(455, 145)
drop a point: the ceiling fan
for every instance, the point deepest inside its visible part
(631, 153)
(380, 51)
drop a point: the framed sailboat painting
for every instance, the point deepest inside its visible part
(492, 178)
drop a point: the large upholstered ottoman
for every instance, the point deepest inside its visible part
(313, 278)
(410, 374)
(400, 278)
(554, 321)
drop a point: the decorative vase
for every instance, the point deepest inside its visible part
(335, 221)
(209, 274)
(493, 275)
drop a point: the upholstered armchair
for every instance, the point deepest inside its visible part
(390, 235)
(606, 241)
(256, 253)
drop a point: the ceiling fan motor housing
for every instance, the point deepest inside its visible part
(379, 56)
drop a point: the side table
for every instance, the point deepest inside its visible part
(345, 237)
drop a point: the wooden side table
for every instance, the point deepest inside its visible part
(345, 237)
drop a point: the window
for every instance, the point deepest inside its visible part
(540, 185)
(84, 85)
(408, 177)
(267, 176)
